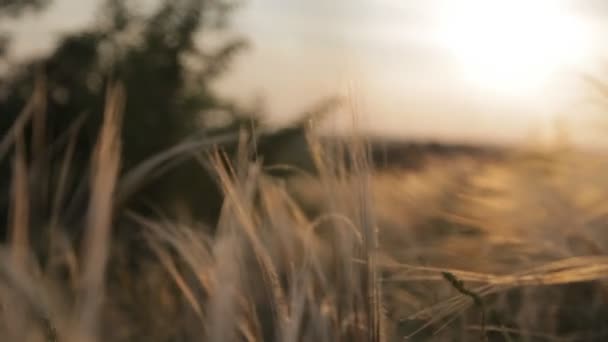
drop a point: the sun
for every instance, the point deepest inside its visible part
(513, 47)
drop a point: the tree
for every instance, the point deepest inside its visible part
(167, 76)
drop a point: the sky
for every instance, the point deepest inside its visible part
(412, 69)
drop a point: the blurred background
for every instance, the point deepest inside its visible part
(171, 141)
(472, 70)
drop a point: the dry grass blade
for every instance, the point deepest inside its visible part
(570, 270)
(20, 210)
(34, 107)
(181, 283)
(64, 172)
(459, 286)
(158, 164)
(520, 332)
(105, 168)
(240, 202)
(39, 120)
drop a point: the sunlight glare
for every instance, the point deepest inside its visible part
(513, 47)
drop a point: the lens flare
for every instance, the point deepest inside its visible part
(512, 47)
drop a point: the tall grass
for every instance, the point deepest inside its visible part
(347, 254)
(263, 274)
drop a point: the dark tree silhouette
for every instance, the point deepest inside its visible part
(166, 61)
(167, 76)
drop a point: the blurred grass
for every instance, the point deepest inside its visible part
(348, 253)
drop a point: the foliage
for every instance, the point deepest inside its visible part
(165, 71)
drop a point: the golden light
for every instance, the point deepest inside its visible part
(513, 47)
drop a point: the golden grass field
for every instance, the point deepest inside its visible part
(525, 233)
(462, 248)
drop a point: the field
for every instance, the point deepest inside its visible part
(452, 244)
(221, 170)
(524, 231)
